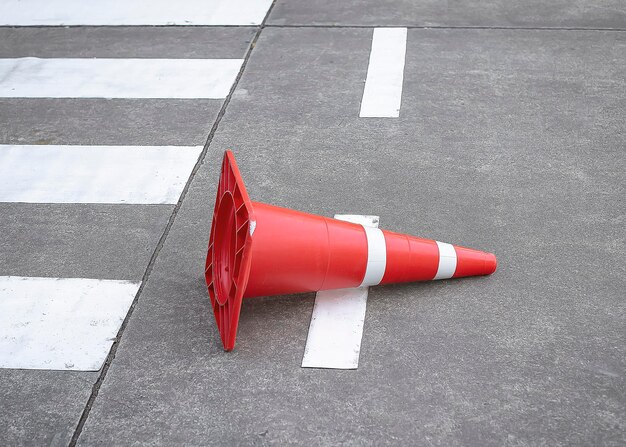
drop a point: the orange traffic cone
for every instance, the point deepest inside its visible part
(257, 249)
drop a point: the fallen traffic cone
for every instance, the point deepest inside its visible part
(257, 249)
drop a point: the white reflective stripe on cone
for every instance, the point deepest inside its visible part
(336, 329)
(447, 261)
(376, 257)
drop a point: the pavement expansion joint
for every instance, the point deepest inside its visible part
(440, 27)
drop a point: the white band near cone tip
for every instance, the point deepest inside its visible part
(376, 257)
(447, 261)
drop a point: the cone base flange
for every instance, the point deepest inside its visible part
(228, 258)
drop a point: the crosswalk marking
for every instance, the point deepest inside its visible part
(382, 94)
(132, 12)
(95, 174)
(60, 323)
(32, 77)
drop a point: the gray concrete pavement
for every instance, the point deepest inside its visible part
(466, 13)
(42, 407)
(79, 240)
(508, 140)
(106, 121)
(511, 141)
(126, 41)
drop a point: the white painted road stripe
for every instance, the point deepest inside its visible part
(95, 174)
(60, 323)
(447, 261)
(336, 329)
(376, 256)
(382, 95)
(32, 77)
(132, 12)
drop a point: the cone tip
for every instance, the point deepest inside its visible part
(491, 263)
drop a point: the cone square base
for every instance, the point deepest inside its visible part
(228, 258)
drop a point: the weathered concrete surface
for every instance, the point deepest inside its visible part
(509, 141)
(79, 240)
(589, 14)
(41, 407)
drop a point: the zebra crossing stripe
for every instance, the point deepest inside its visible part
(95, 174)
(60, 323)
(32, 77)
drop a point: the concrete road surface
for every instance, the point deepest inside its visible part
(510, 138)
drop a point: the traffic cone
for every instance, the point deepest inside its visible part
(257, 249)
